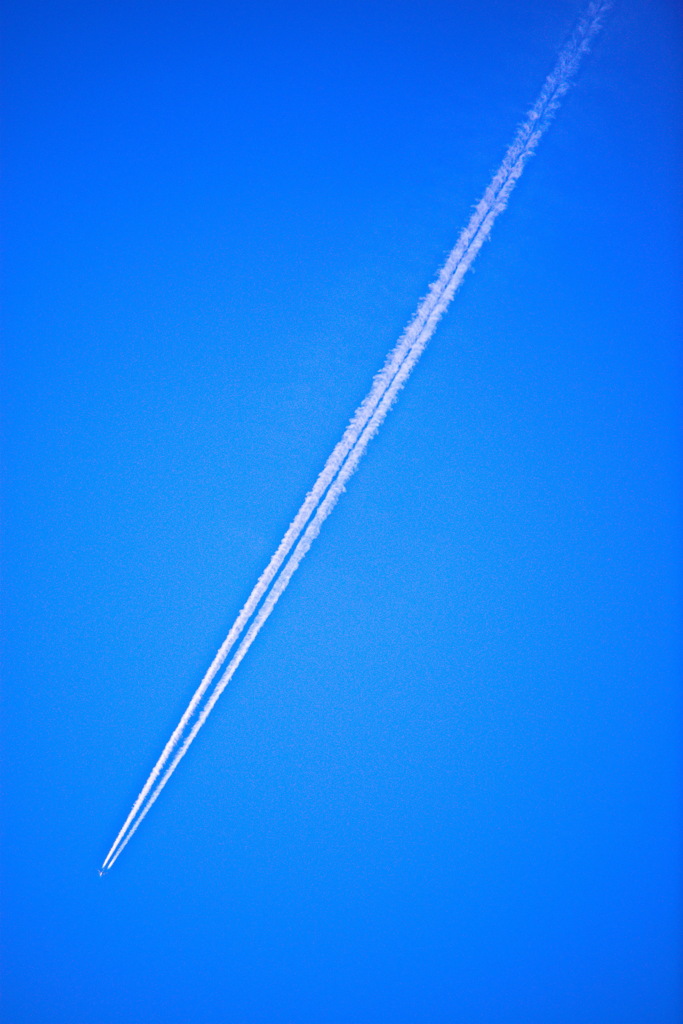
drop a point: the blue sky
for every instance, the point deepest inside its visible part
(444, 785)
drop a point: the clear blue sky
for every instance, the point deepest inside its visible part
(444, 785)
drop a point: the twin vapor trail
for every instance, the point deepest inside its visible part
(365, 423)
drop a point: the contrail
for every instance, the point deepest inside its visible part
(367, 419)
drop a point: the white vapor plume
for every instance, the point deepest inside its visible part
(366, 421)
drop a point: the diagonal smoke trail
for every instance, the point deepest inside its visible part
(368, 417)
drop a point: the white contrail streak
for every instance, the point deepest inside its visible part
(366, 421)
